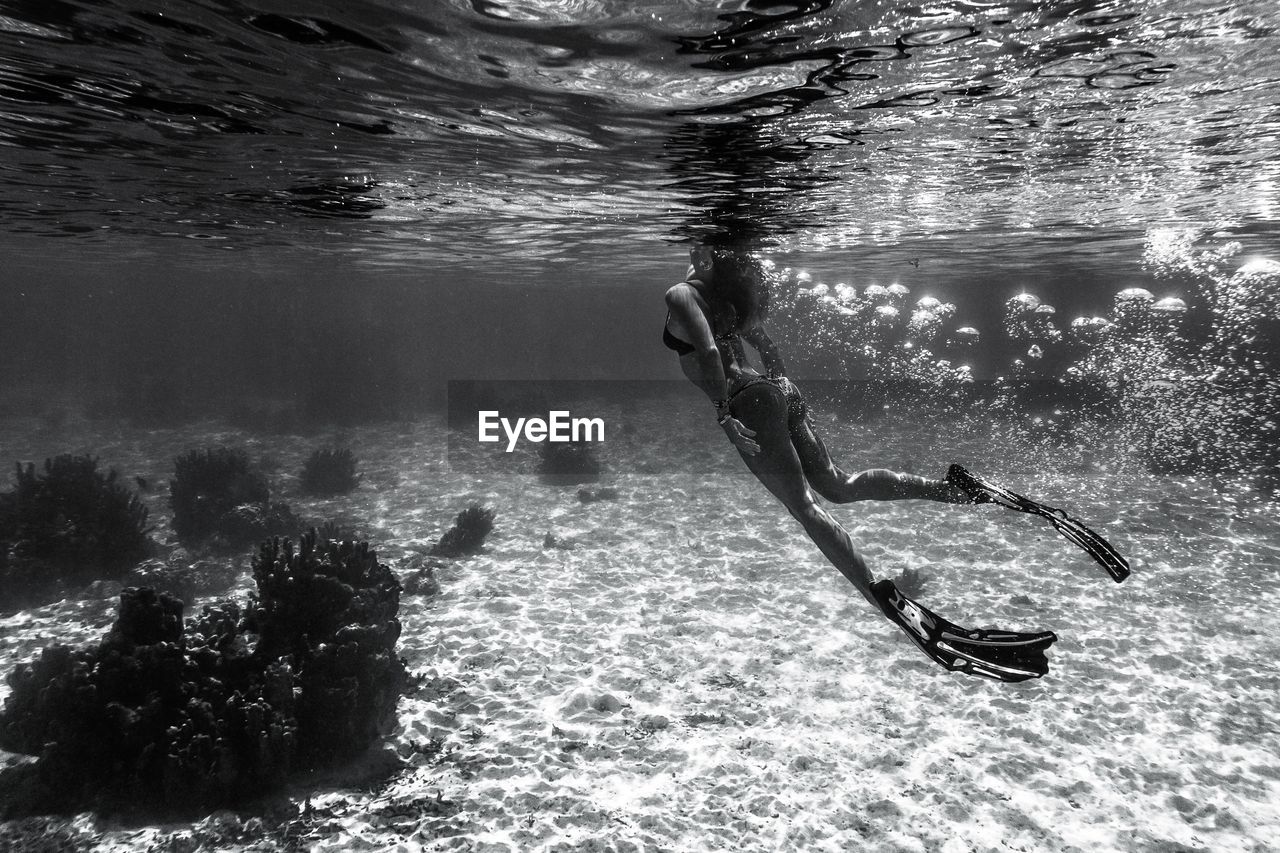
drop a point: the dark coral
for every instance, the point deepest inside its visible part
(218, 496)
(588, 495)
(468, 533)
(418, 575)
(912, 582)
(249, 523)
(421, 581)
(174, 720)
(330, 472)
(338, 530)
(183, 576)
(149, 715)
(332, 607)
(569, 463)
(65, 524)
(207, 485)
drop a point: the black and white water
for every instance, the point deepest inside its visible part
(213, 210)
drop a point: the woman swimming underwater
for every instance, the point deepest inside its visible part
(723, 302)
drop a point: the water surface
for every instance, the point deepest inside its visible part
(554, 131)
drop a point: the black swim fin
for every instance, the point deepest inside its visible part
(999, 655)
(982, 491)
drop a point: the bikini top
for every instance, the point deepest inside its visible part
(674, 343)
(683, 347)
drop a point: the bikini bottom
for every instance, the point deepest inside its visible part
(797, 411)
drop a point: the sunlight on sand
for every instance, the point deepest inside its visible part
(687, 672)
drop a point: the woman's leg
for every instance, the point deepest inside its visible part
(763, 408)
(996, 654)
(875, 484)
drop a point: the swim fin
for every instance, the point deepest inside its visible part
(982, 491)
(1000, 655)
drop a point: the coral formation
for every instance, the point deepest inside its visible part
(330, 472)
(148, 715)
(420, 578)
(587, 495)
(468, 533)
(249, 523)
(183, 576)
(911, 582)
(67, 523)
(332, 608)
(169, 719)
(550, 540)
(569, 463)
(217, 495)
(337, 530)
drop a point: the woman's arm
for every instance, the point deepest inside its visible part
(769, 353)
(684, 308)
(712, 380)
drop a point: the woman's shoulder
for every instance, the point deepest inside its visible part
(690, 288)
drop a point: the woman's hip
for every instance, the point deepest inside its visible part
(756, 395)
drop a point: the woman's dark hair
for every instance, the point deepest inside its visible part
(742, 280)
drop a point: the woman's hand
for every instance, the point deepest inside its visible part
(740, 436)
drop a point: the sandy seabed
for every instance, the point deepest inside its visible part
(683, 670)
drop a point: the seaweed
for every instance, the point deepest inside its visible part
(65, 524)
(468, 533)
(173, 718)
(330, 472)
